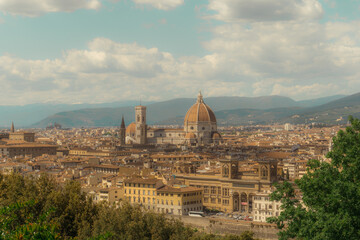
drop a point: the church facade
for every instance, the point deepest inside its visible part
(200, 128)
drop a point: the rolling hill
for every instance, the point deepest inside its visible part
(229, 111)
(27, 115)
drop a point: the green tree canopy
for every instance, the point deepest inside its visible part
(329, 191)
(39, 208)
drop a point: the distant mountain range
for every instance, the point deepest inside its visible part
(26, 115)
(228, 110)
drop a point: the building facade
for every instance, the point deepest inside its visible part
(179, 200)
(231, 190)
(264, 208)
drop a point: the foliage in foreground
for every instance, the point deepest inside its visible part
(330, 207)
(41, 209)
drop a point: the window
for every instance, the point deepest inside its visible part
(213, 190)
(213, 200)
(206, 200)
(225, 192)
(225, 202)
(203, 128)
(206, 189)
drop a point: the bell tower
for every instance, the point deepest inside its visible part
(122, 132)
(140, 121)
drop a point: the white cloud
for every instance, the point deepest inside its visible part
(160, 4)
(32, 8)
(312, 90)
(296, 58)
(109, 71)
(265, 10)
(280, 47)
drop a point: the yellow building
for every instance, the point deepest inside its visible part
(179, 200)
(142, 191)
(154, 195)
(22, 136)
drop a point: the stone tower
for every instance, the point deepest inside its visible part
(122, 132)
(140, 121)
(229, 167)
(12, 127)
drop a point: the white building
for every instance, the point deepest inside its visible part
(264, 208)
(288, 127)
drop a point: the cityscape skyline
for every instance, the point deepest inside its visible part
(104, 51)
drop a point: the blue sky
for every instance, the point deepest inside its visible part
(101, 51)
(179, 31)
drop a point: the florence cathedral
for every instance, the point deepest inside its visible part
(200, 128)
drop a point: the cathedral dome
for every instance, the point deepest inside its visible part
(199, 112)
(131, 128)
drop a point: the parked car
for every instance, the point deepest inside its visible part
(247, 218)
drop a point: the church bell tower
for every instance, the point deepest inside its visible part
(122, 132)
(140, 120)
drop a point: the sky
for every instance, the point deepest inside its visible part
(95, 51)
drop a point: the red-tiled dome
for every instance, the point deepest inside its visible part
(200, 112)
(131, 128)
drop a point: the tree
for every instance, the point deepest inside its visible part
(330, 193)
(18, 222)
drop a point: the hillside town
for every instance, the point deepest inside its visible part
(228, 172)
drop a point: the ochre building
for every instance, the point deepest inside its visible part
(231, 190)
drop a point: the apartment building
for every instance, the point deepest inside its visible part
(179, 200)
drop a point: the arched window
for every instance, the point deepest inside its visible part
(138, 118)
(264, 172)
